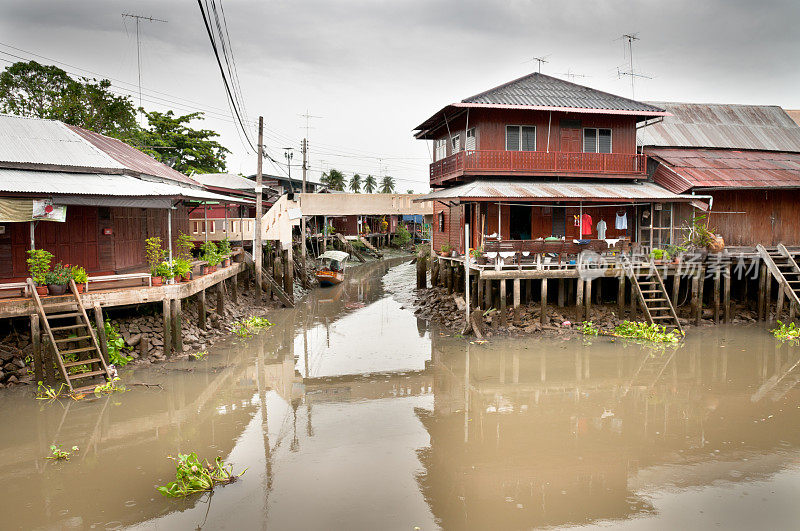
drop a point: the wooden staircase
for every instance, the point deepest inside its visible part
(649, 371)
(784, 268)
(371, 248)
(349, 247)
(270, 282)
(780, 384)
(651, 292)
(72, 338)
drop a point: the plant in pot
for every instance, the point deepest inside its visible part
(155, 255)
(57, 279)
(659, 255)
(478, 256)
(446, 249)
(38, 266)
(164, 271)
(209, 254)
(182, 269)
(80, 277)
(213, 259)
(184, 247)
(224, 249)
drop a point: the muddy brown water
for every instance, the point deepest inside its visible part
(350, 413)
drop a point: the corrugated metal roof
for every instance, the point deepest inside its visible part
(554, 191)
(225, 180)
(37, 141)
(794, 114)
(130, 157)
(545, 91)
(758, 127)
(69, 183)
(687, 168)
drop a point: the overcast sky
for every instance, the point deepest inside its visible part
(372, 70)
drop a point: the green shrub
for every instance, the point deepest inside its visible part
(447, 248)
(402, 237)
(154, 253)
(38, 265)
(164, 270)
(588, 328)
(224, 247)
(192, 475)
(181, 267)
(116, 345)
(787, 332)
(183, 247)
(79, 275)
(210, 253)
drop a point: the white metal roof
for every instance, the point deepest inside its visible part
(340, 256)
(38, 141)
(554, 191)
(225, 180)
(65, 183)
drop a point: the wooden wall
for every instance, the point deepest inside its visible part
(453, 232)
(490, 129)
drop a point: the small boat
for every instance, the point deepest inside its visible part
(332, 270)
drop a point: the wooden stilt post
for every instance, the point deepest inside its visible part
(792, 311)
(220, 308)
(701, 287)
(579, 299)
(676, 288)
(165, 317)
(481, 284)
(235, 287)
(517, 299)
(561, 292)
(101, 331)
(768, 299)
(36, 343)
(487, 294)
(528, 290)
(177, 326)
(717, 295)
(762, 288)
(634, 300)
(781, 299)
(201, 309)
(288, 277)
(695, 305)
(598, 291)
(543, 303)
(587, 297)
(621, 295)
(503, 312)
(726, 294)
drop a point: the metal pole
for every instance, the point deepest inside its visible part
(33, 230)
(302, 217)
(257, 233)
(580, 221)
(466, 272)
(169, 232)
(205, 221)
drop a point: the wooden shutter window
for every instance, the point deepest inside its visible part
(528, 139)
(590, 140)
(470, 142)
(604, 140)
(512, 138)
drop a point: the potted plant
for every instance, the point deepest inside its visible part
(155, 255)
(182, 269)
(446, 249)
(57, 279)
(224, 249)
(38, 266)
(213, 260)
(209, 254)
(478, 255)
(184, 247)
(659, 256)
(163, 271)
(80, 277)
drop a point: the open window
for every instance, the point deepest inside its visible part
(455, 144)
(441, 148)
(469, 143)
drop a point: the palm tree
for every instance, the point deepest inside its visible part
(334, 179)
(387, 185)
(370, 185)
(355, 183)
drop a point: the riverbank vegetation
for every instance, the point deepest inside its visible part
(244, 328)
(788, 332)
(192, 476)
(635, 330)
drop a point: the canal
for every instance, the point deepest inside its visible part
(351, 413)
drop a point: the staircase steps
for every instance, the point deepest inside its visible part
(790, 287)
(647, 281)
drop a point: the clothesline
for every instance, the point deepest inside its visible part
(591, 205)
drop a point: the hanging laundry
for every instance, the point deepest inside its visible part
(601, 230)
(621, 222)
(586, 224)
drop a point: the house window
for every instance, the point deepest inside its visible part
(520, 138)
(441, 149)
(455, 144)
(441, 221)
(596, 140)
(470, 142)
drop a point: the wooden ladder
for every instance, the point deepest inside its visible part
(267, 278)
(349, 247)
(784, 268)
(371, 247)
(651, 292)
(70, 328)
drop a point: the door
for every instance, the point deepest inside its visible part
(570, 140)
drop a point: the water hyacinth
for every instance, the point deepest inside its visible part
(191, 476)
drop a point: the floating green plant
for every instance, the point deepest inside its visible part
(788, 332)
(192, 476)
(57, 454)
(647, 332)
(588, 328)
(244, 328)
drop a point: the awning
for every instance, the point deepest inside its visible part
(103, 190)
(498, 190)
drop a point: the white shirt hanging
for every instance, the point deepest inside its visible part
(621, 222)
(601, 230)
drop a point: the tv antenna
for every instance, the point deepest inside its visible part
(630, 37)
(540, 60)
(308, 117)
(138, 19)
(569, 74)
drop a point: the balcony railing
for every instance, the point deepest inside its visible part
(531, 162)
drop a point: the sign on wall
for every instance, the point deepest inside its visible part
(44, 209)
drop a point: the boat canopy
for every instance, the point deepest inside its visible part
(339, 256)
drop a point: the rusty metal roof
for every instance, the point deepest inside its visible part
(757, 127)
(130, 157)
(683, 169)
(26, 140)
(794, 114)
(554, 191)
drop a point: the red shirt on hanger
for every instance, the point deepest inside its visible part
(586, 225)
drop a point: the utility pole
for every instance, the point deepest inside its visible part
(302, 217)
(139, 18)
(257, 236)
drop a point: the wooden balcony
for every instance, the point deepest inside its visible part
(538, 163)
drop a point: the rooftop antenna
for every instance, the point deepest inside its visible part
(571, 75)
(308, 117)
(540, 60)
(630, 37)
(139, 18)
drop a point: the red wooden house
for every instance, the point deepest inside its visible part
(539, 157)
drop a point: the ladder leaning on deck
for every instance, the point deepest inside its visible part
(370, 247)
(268, 279)
(349, 247)
(67, 325)
(784, 268)
(651, 292)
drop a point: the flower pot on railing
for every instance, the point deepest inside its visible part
(57, 289)
(42, 291)
(226, 262)
(204, 270)
(80, 287)
(187, 277)
(158, 281)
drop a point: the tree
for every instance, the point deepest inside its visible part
(355, 183)
(170, 140)
(409, 191)
(46, 91)
(387, 185)
(334, 180)
(370, 185)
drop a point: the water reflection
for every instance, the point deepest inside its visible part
(351, 413)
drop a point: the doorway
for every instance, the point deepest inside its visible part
(520, 222)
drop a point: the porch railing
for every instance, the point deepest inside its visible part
(539, 161)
